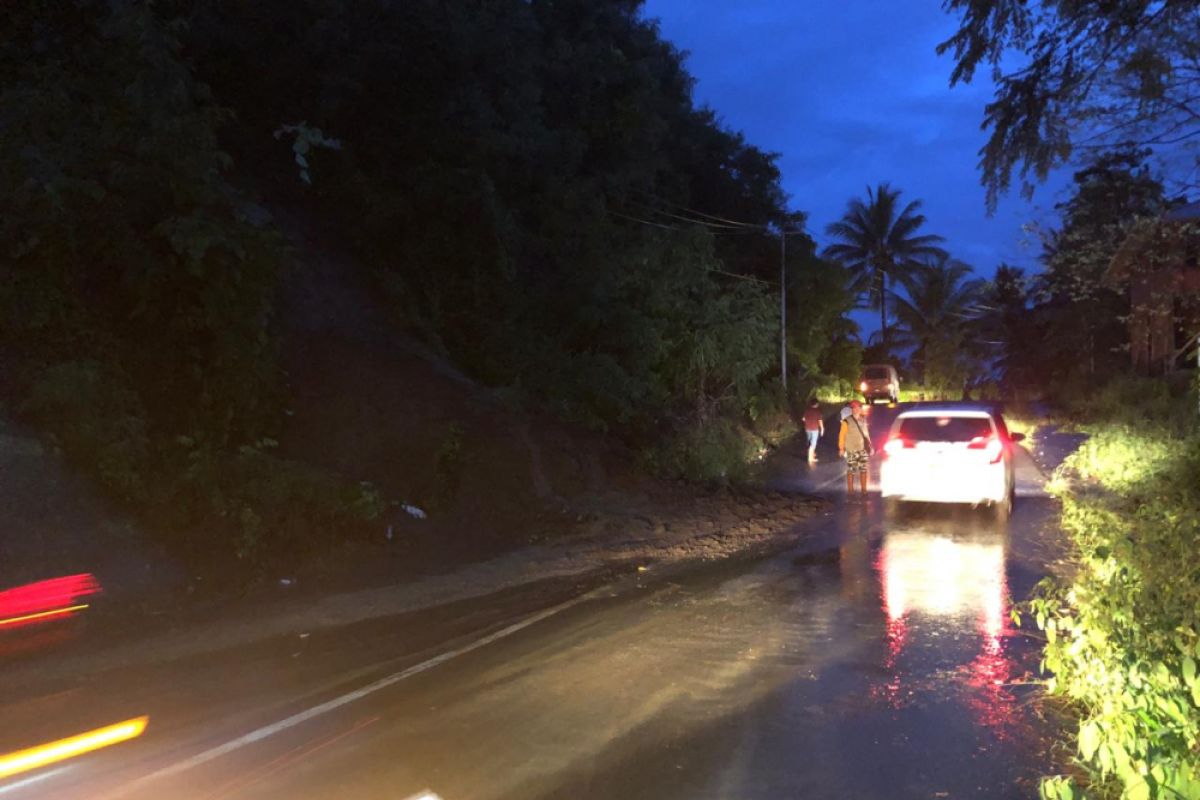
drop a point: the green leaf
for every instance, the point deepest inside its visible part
(1104, 757)
(1138, 790)
(1089, 739)
(1189, 670)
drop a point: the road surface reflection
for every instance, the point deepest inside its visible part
(944, 583)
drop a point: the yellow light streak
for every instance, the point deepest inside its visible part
(53, 752)
(42, 614)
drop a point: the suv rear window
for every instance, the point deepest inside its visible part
(876, 373)
(944, 429)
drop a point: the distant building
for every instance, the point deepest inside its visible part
(1158, 261)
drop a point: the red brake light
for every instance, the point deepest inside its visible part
(893, 446)
(992, 447)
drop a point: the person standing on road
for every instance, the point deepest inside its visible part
(814, 428)
(854, 443)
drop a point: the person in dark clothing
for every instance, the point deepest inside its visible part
(814, 429)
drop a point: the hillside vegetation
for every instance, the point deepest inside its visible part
(529, 186)
(1123, 637)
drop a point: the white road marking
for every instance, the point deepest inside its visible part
(19, 785)
(342, 700)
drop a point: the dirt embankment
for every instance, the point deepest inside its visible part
(374, 405)
(508, 496)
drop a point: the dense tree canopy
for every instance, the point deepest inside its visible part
(131, 275)
(527, 179)
(528, 182)
(1090, 76)
(1083, 317)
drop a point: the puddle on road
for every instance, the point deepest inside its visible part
(889, 667)
(937, 698)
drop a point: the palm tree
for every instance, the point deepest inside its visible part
(936, 312)
(878, 242)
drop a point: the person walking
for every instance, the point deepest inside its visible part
(854, 444)
(814, 428)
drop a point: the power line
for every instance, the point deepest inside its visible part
(739, 277)
(671, 228)
(711, 231)
(721, 225)
(689, 219)
(642, 221)
(720, 219)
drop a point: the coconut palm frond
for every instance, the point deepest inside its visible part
(878, 243)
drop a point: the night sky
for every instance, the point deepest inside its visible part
(851, 93)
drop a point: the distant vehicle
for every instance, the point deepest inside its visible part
(879, 382)
(949, 455)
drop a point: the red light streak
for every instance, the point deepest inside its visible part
(46, 600)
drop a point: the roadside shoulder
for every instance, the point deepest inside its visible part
(663, 535)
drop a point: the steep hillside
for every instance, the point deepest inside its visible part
(248, 397)
(372, 404)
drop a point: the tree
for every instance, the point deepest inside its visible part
(1007, 328)
(878, 242)
(822, 339)
(531, 183)
(1093, 76)
(1083, 317)
(933, 317)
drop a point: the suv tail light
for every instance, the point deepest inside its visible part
(992, 447)
(893, 446)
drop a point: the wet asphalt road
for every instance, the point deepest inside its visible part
(875, 660)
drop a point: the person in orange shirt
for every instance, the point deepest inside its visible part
(854, 444)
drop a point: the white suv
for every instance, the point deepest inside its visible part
(949, 455)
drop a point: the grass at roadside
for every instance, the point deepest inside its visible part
(1023, 421)
(1123, 632)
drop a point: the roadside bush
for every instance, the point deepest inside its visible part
(719, 451)
(448, 464)
(912, 392)
(834, 390)
(770, 416)
(1123, 632)
(268, 506)
(1024, 419)
(97, 419)
(1131, 399)
(774, 427)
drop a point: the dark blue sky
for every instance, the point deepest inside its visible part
(851, 93)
